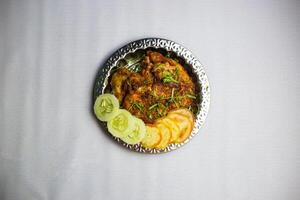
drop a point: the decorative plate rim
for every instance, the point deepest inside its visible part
(197, 68)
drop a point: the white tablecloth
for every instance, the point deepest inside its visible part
(51, 146)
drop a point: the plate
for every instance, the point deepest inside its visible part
(130, 55)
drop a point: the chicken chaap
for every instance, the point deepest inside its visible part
(156, 103)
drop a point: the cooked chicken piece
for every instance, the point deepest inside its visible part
(156, 57)
(117, 82)
(174, 97)
(147, 70)
(135, 103)
(168, 70)
(134, 81)
(162, 85)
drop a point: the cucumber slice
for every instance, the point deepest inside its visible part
(138, 133)
(122, 124)
(106, 106)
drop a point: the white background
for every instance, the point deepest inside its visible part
(51, 146)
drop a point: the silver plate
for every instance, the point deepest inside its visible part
(127, 55)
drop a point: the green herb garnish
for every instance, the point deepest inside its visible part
(158, 66)
(150, 116)
(153, 106)
(193, 109)
(173, 98)
(137, 105)
(169, 77)
(191, 96)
